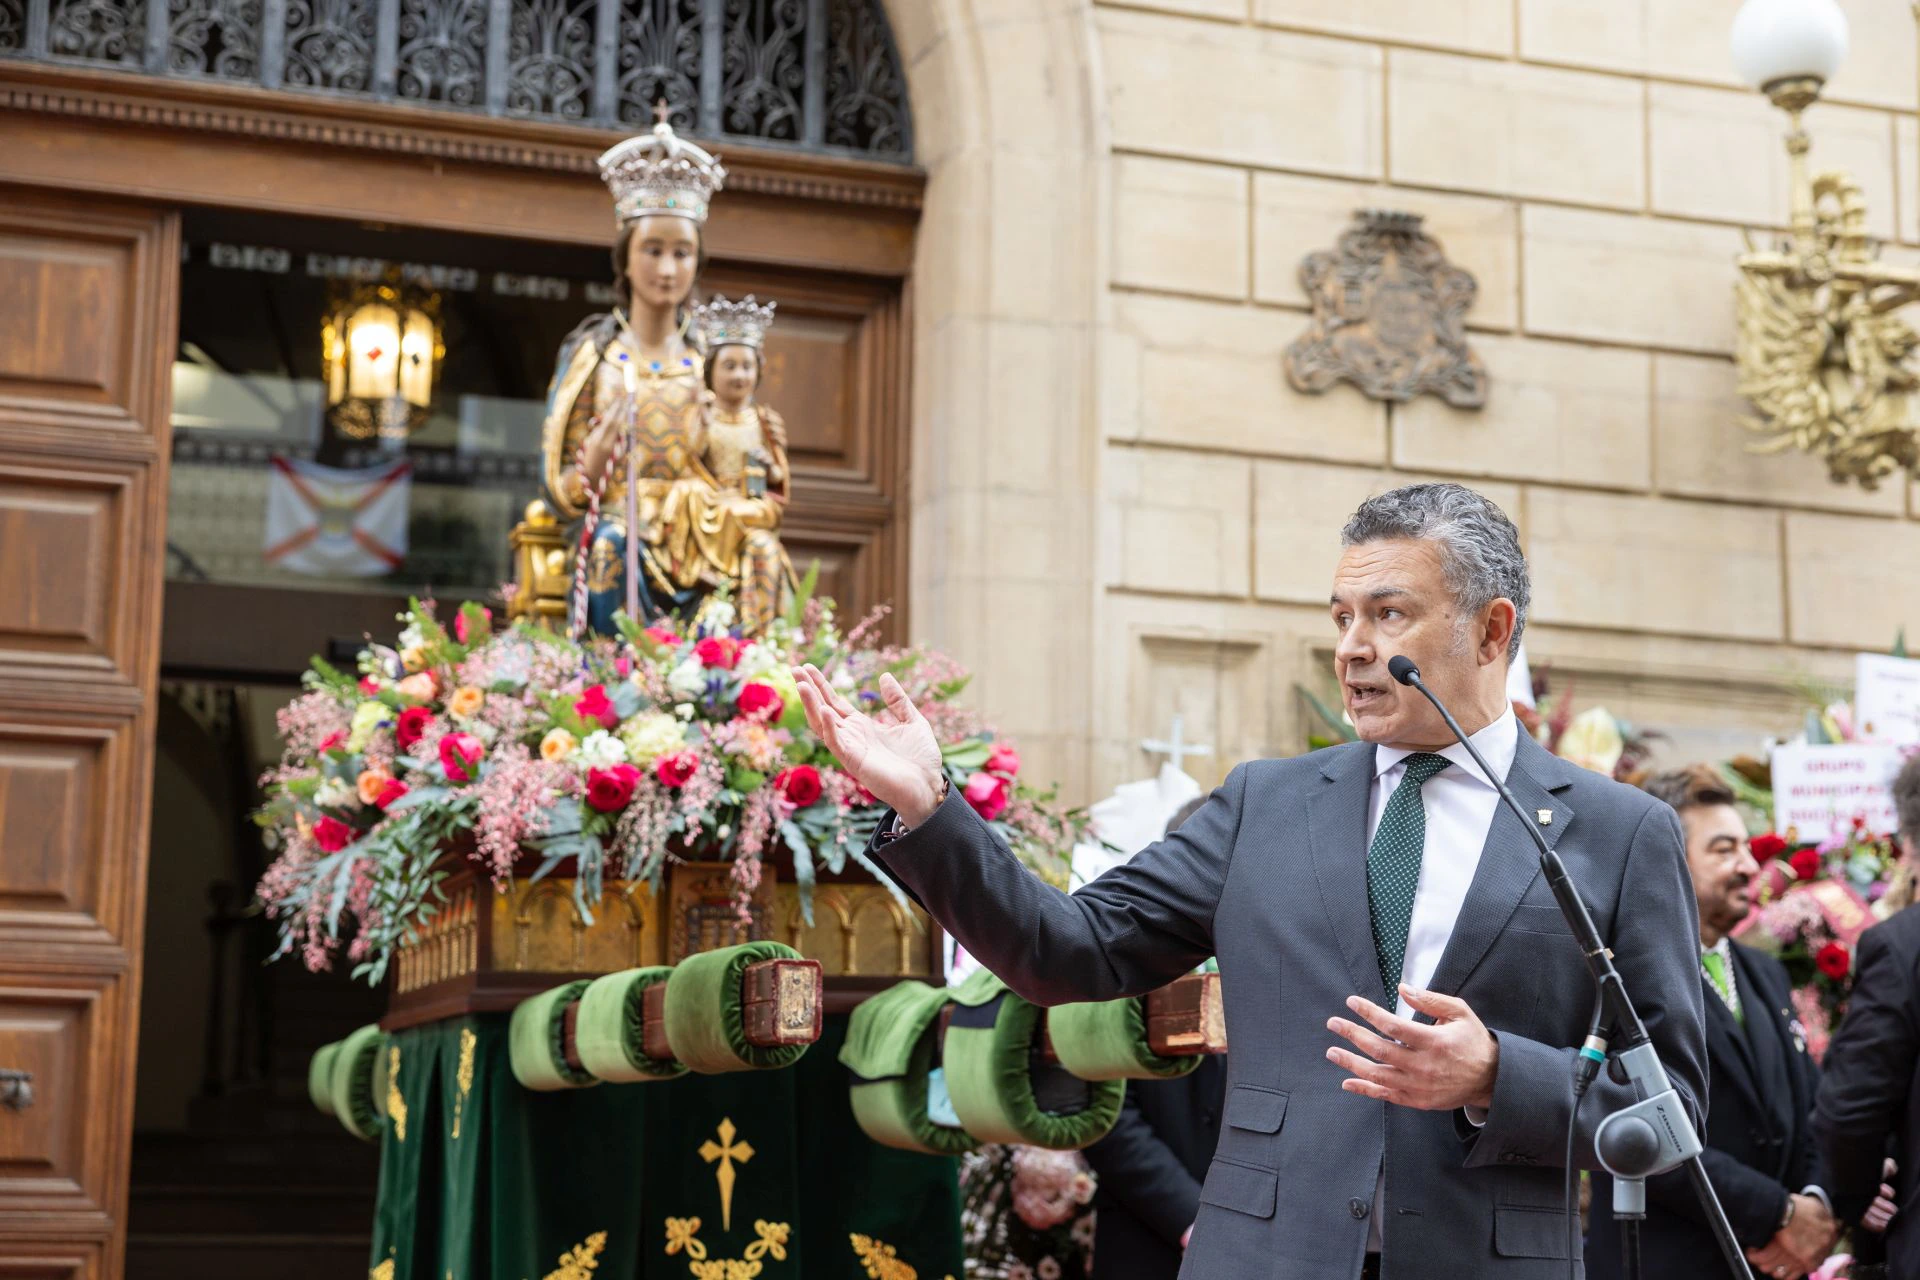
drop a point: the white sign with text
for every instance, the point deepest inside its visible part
(1820, 789)
(1886, 698)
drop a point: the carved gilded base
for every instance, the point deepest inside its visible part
(487, 950)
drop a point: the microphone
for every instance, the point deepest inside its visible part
(1654, 1134)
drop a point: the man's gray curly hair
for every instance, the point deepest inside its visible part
(1479, 546)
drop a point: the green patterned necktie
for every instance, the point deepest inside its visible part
(1393, 868)
(1715, 966)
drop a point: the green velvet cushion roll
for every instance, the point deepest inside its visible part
(1107, 1040)
(890, 1046)
(536, 1040)
(993, 1068)
(607, 1033)
(320, 1077)
(351, 1083)
(706, 1020)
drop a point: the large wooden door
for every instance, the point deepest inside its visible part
(88, 297)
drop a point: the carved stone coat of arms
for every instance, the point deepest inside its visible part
(1389, 316)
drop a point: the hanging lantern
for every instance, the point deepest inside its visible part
(382, 351)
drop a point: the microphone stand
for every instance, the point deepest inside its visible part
(1654, 1134)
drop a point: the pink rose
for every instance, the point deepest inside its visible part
(662, 635)
(611, 789)
(461, 628)
(761, 701)
(419, 686)
(1004, 760)
(460, 756)
(369, 687)
(392, 791)
(594, 705)
(988, 794)
(332, 740)
(624, 665)
(332, 835)
(718, 651)
(676, 770)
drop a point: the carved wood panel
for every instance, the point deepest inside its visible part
(86, 344)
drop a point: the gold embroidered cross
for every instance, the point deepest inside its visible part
(726, 1151)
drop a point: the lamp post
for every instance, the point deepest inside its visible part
(1821, 353)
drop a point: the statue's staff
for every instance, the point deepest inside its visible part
(583, 561)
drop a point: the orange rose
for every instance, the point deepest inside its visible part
(371, 784)
(557, 745)
(466, 701)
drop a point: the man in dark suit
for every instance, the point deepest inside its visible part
(1151, 1163)
(1760, 1153)
(1869, 1104)
(1402, 995)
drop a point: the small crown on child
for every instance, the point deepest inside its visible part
(723, 324)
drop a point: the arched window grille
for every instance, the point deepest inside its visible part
(817, 75)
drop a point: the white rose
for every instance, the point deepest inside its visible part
(689, 678)
(719, 615)
(756, 660)
(411, 638)
(600, 750)
(334, 794)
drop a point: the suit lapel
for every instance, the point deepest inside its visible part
(1509, 863)
(1767, 1039)
(1337, 844)
(1728, 1049)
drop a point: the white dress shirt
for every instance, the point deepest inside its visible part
(1460, 802)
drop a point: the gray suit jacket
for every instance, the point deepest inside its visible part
(1270, 875)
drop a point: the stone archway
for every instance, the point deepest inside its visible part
(1009, 125)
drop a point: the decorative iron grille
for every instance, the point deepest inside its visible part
(817, 75)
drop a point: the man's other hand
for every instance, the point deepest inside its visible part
(1800, 1246)
(1880, 1213)
(1450, 1064)
(893, 754)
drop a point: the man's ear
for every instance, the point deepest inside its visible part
(1496, 630)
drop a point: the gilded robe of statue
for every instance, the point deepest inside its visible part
(664, 514)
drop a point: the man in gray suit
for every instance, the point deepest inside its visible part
(1402, 996)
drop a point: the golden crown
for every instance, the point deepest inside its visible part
(721, 323)
(661, 172)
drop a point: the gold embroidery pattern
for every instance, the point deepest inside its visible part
(396, 1101)
(683, 1234)
(579, 1262)
(464, 1075)
(880, 1260)
(726, 1151)
(382, 1272)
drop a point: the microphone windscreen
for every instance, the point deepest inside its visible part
(1401, 668)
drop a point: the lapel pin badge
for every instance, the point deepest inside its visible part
(1545, 816)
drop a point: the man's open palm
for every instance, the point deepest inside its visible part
(893, 754)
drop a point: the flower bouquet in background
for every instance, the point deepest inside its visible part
(523, 750)
(1811, 904)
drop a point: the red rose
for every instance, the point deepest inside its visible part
(988, 794)
(593, 705)
(332, 834)
(1805, 863)
(1766, 846)
(460, 755)
(332, 740)
(609, 790)
(677, 769)
(1004, 760)
(390, 792)
(761, 701)
(799, 786)
(369, 686)
(718, 651)
(412, 726)
(1834, 960)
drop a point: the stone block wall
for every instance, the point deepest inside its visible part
(1593, 165)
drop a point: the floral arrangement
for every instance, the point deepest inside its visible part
(1813, 900)
(1026, 1214)
(520, 750)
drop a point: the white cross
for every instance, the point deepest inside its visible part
(1175, 748)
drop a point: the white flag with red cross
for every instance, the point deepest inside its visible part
(337, 523)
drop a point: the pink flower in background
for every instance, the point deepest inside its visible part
(595, 705)
(662, 635)
(1004, 759)
(1044, 1186)
(623, 665)
(369, 686)
(331, 741)
(332, 834)
(419, 686)
(988, 794)
(460, 756)
(461, 628)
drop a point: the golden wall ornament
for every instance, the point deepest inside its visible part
(725, 1153)
(463, 1075)
(396, 1101)
(1822, 355)
(1389, 316)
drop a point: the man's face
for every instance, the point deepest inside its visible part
(1392, 598)
(1723, 869)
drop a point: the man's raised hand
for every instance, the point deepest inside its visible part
(893, 754)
